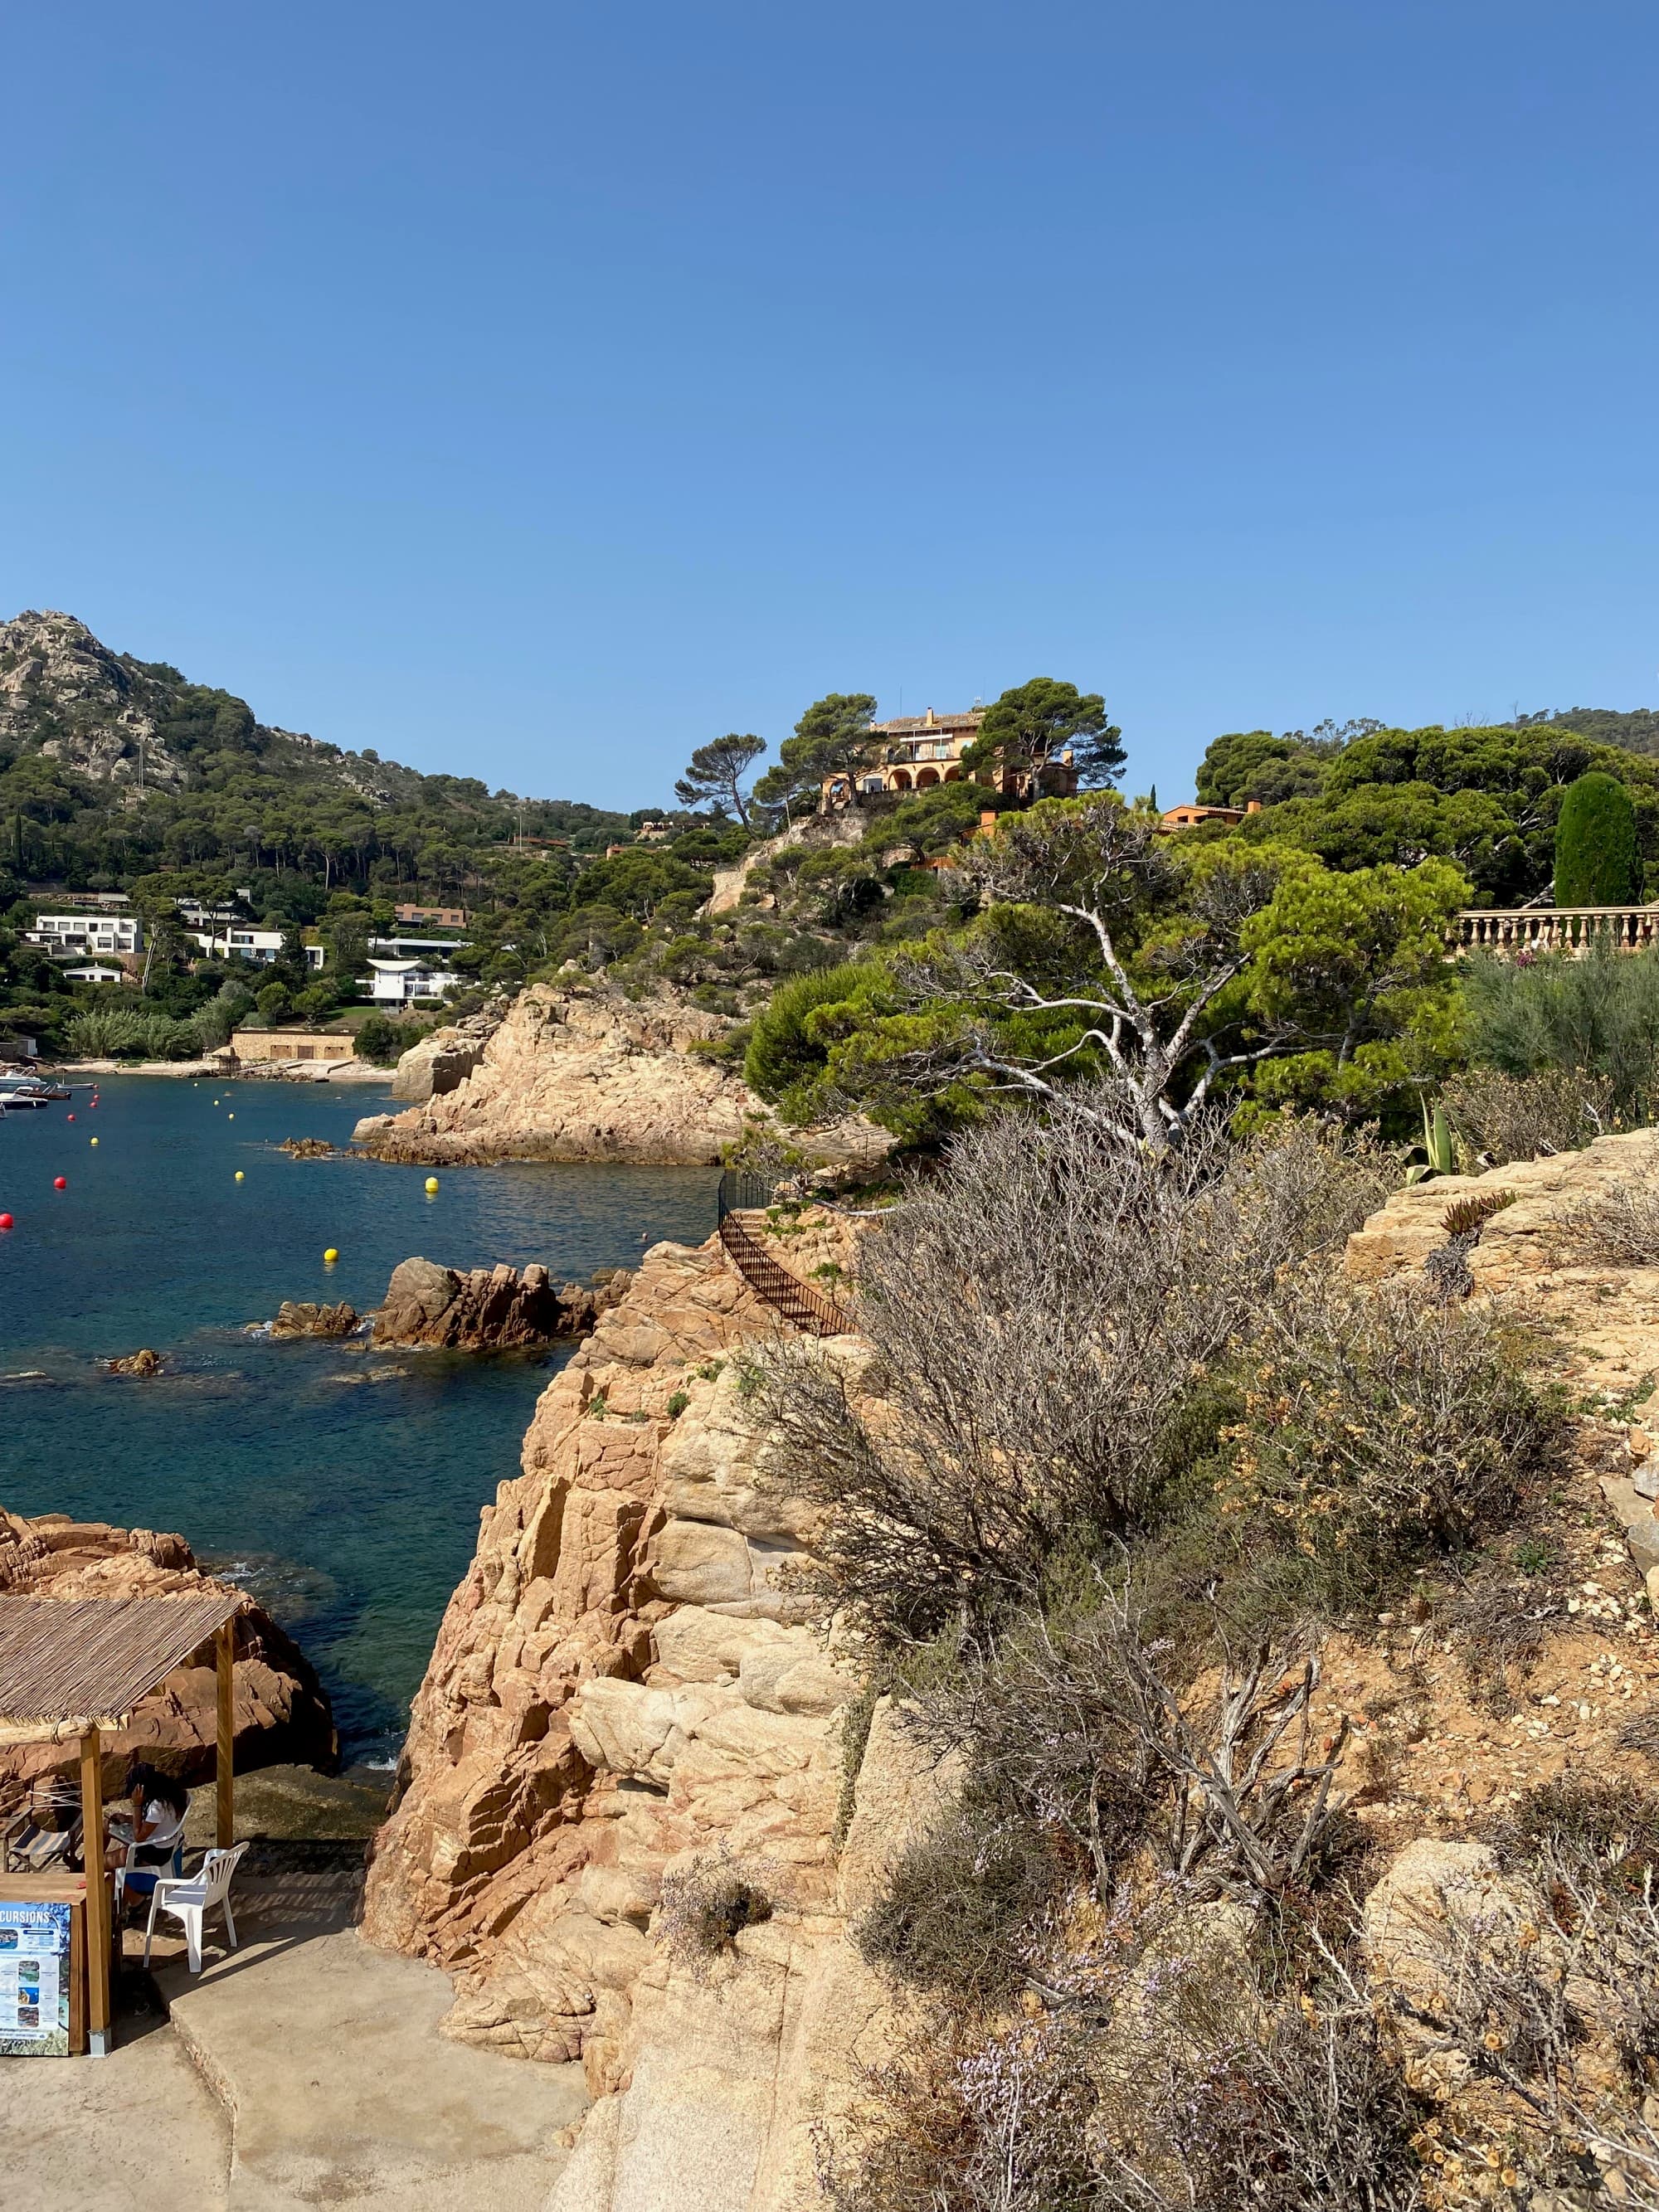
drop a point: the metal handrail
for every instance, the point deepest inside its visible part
(784, 1291)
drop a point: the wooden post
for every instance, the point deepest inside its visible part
(224, 1643)
(98, 1911)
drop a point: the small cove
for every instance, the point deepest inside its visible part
(342, 1485)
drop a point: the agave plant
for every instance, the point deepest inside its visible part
(1439, 1147)
(1469, 1216)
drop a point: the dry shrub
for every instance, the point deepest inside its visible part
(1499, 1633)
(705, 1905)
(956, 1911)
(1378, 1429)
(1039, 1317)
(1615, 1227)
(1505, 1118)
(1080, 1729)
(1542, 2011)
(1161, 2076)
(1612, 1823)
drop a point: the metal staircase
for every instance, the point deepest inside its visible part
(803, 1308)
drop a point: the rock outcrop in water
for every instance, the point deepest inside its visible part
(489, 1309)
(301, 1318)
(282, 1711)
(577, 1071)
(144, 1362)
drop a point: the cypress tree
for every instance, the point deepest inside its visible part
(1595, 859)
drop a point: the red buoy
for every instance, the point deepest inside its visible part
(69, 1117)
(60, 1182)
(5, 1221)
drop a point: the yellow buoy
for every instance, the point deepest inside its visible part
(432, 1186)
(230, 1117)
(239, 1175)
(92, 1140)
(330, 1256)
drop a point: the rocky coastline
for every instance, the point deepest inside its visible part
(223, 1069)
(624, 1700)
(572, 1072)
(447, 1309)
(282, 1713)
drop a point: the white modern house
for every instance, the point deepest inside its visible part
(97, 971)
(259, 945)
(195, 914)
(394, 982)
(67, 936)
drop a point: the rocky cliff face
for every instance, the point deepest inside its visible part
(282, 1710)
(623, 1700)
(622, 1691)
(441, 1062)
(579, 1072)
(88, 707)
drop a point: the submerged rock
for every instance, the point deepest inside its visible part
(307, 1148)
(297, 1318)
(144, 1362)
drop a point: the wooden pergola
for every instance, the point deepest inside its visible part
(72, 1668)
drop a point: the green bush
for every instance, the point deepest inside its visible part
(383, 1043)
(789, 1045)
(1379, 1429)
(103, 1032)
(1596, 856)
(1594, 1017)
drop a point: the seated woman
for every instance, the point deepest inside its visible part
(150, 1833)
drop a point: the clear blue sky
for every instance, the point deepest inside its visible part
(537, 391)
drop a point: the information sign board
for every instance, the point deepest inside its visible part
(34, 1979)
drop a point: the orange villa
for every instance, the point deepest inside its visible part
(913, 752)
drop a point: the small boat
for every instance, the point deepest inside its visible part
(29, 1091)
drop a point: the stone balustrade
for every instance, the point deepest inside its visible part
(1572, 929)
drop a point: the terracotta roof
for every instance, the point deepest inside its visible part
(76, 1663)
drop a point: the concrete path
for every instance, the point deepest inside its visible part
(326, 2055)
(138, 2131)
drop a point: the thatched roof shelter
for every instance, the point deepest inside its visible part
(70, 1667)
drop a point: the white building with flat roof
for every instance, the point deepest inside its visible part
(77, 935)
(394, 982)
(259, 945)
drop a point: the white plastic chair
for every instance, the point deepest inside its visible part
(191, 1899)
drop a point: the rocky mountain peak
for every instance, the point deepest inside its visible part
(98, 712)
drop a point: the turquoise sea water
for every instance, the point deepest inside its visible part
(343, 1485)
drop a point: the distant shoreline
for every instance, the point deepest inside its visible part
(335, 1071)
